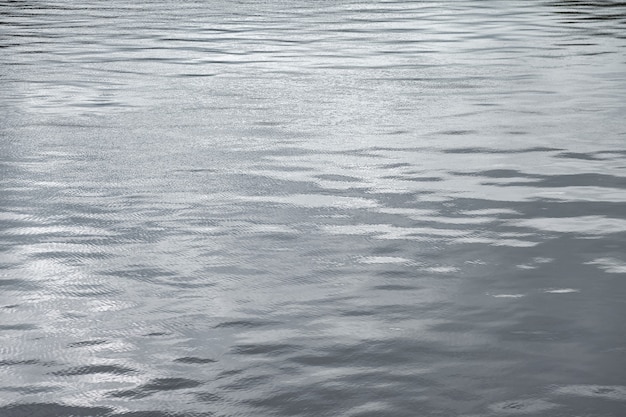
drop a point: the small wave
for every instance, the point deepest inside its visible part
(609, 392)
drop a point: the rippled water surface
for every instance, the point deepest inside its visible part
(320, 208)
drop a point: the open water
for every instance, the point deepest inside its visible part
(312, 208)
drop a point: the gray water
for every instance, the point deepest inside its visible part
(321, 208)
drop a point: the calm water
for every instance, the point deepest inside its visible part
(320, 208)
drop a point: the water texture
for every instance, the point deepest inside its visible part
(321, 208)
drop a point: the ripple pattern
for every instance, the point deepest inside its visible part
(330, 208)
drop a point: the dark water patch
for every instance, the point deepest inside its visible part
(264, 349)
(613, 152)
(190, 285)
(472, 150)
(535, 328)
(194, 75)
(457, 132)
(70, 256)
(572, 180)
(141, 273)
(416, 179)
(208, 397)
(94, 369)
(254, 185)
(229, 373)
(358, 313)
(156, 385)
(31, 389)
(53, 410)
(585, 10)
(280, 168)
(395, 273)
(198, 170)
(9, 362)
(20, 326)
(339, 178)
(167, 384)
(247, 383)
(389, 248)
(157, 334)
(194, 360)
(531, 406)
(348, 398)
(130, 394)
(234, 270)
(455, 327)
(498, 173)
(297, 403)
(391, 287)
(16, 284)
(62, 410)
(278, 237)
(92, 290)
(245, 324)
(398, 165)
(373, 354)
(87, 343)
(547, 208)
(155, 413)
(578, 155)
(608, 392)
(556, 180)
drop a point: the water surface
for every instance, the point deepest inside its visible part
(329, 208)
